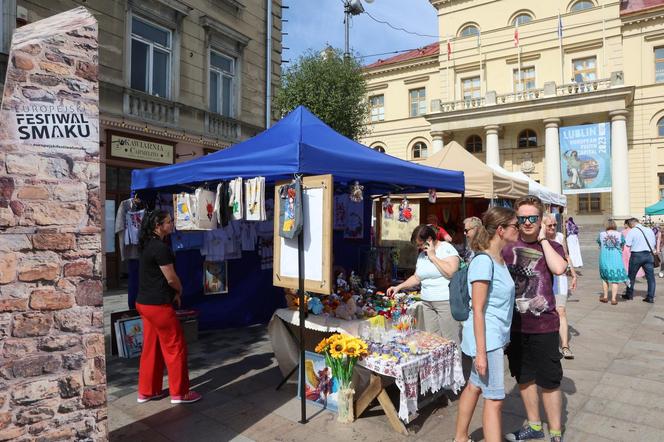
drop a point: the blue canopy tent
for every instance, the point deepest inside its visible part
(298, 144)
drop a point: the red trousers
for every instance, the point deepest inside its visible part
(163, 344)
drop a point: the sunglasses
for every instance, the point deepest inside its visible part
(552, 225)
(468, 230)
(532, 219)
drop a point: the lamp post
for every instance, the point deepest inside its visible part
(351, 7)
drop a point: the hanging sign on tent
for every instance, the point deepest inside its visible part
(585, 153)
(317, 196)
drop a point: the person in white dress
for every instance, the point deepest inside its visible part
(573, 247)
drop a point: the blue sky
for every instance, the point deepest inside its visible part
(314, 23)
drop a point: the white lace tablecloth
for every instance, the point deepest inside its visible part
(427, 373)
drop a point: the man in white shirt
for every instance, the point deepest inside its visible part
(641, 241)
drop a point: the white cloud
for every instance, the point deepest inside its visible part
(314, 23)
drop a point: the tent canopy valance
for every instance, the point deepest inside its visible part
(482, 181)
(300, 144)
(656, 209)
(547, 195)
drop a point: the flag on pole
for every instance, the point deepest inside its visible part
(516, 35)
(479, 39)
(449, 50)
(560, 27)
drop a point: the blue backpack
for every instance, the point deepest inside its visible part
(459, 295)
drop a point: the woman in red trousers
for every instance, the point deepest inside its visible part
(163, 340)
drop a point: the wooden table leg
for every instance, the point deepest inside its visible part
(391, 413)
(376, 390)
(368, 395)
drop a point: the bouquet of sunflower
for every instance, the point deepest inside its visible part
(342, 353)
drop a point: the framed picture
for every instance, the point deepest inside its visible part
(131, 337)
(321, 389)
(215, 277)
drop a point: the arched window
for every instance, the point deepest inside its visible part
(469, 30)
(378, 148)
(419, 151)
(522, 19)
(660, 127)
(581, 5)
(474, 144)
(527, 138)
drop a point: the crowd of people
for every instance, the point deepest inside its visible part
(521, 269)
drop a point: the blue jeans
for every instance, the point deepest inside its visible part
(636, 261)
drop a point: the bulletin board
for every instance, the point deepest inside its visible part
(317, 212)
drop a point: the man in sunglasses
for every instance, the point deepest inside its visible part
(533, 355)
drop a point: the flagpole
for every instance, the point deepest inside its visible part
(447, 70)
(560, 46)
(479, 43)
(518, 58)
(603, 42)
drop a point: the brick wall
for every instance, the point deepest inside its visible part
(52, 366)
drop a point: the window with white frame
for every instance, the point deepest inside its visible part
(585, 69)
(377, 107)
(151, 49)
(522, 19)
(419, 151)
(471, 87)
(222, 80)
(659, 65)
(581, 5)
(527, 81)
(418, 103)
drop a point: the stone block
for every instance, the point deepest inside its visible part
(73, 361)
(85, 171)
(98, 319)
(12, 432)
(14, 242)
(50, 299)
(94, 396)
(73, 321)
(32, 193)
(89, 242)
(5, 420)
(54, 68)
(58, 434)
(87, 71)
(31, 325)
(94, 371)
(34, 93)
(54, 241)
(34, 272)
(70, 405)
(94, 345)
(22, 164)
(52, 213)
(69, 387)
(22, 62)
(35, 366)
(8, 266)
(90, 293)
(70, 192)
(13, 305)
(78, 268)
(17, 207)
(33, 391)
(17, 290)
(58, 343)
(18, 348)
(32, 48)
(54, 168)
(7, 218)
(6, 188)
(45, 79)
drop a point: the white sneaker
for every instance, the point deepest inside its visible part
(661, 274)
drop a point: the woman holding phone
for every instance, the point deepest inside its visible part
(436, 263)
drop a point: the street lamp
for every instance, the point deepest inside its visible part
(351, 7)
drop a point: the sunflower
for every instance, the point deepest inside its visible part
(338, 348)
(322, 346)
(352, 348)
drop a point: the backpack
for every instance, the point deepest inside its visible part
(459, 295)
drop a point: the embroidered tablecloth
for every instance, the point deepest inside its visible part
(438, 368)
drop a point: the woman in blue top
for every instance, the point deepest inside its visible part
(487, 330)
(436, 263)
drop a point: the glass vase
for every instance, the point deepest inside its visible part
(345, 405)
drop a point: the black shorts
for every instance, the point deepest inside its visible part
(535, 357)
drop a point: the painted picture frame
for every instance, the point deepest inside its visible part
(215, 277)
(321, 388)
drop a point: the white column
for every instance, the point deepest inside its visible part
(619, 165)
(438, 143)
(492, 153)
(552, 154)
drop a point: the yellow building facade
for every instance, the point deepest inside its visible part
(503, 91)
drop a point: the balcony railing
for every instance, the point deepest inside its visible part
(550, 90)
(219, 126)
(148, 107)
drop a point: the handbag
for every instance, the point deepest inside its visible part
(655, 256)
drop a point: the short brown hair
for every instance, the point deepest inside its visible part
(424, 232)
(530, 200)
(610, 224)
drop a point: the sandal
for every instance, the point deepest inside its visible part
(614, 302)
(605, 300)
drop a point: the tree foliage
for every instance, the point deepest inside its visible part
(332, 88)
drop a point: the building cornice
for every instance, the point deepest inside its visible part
(406, 65)
(637, 18)
(209, 23)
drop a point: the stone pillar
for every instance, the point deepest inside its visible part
(552, 154)
(619, 164)
(438, 143)
(492, 153)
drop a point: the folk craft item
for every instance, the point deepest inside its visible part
(405, 212)
(342, 353)
(388, 210)
(356, 192)
(290, 218)
(432, 196)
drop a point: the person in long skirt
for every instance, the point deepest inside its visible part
(611, 266)
(573, 243)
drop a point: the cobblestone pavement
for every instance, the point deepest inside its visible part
(612, 389)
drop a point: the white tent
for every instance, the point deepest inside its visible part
(547, 195)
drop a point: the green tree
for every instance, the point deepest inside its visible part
(332, 88)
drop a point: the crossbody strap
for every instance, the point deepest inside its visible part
(644, 237)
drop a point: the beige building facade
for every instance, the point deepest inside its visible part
(177, 80)
(503, 91)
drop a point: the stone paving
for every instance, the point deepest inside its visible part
(612, 391)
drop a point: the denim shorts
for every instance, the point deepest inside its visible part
(493, 384)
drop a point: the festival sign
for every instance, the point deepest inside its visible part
(585, 154)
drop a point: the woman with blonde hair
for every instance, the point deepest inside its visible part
(487, 330)
(470, 226)
(611, 267)
(560, 287)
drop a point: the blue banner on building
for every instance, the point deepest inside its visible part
(585, 155)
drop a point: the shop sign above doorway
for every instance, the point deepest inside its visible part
(141, 149)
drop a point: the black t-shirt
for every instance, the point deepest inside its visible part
(153, 289)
